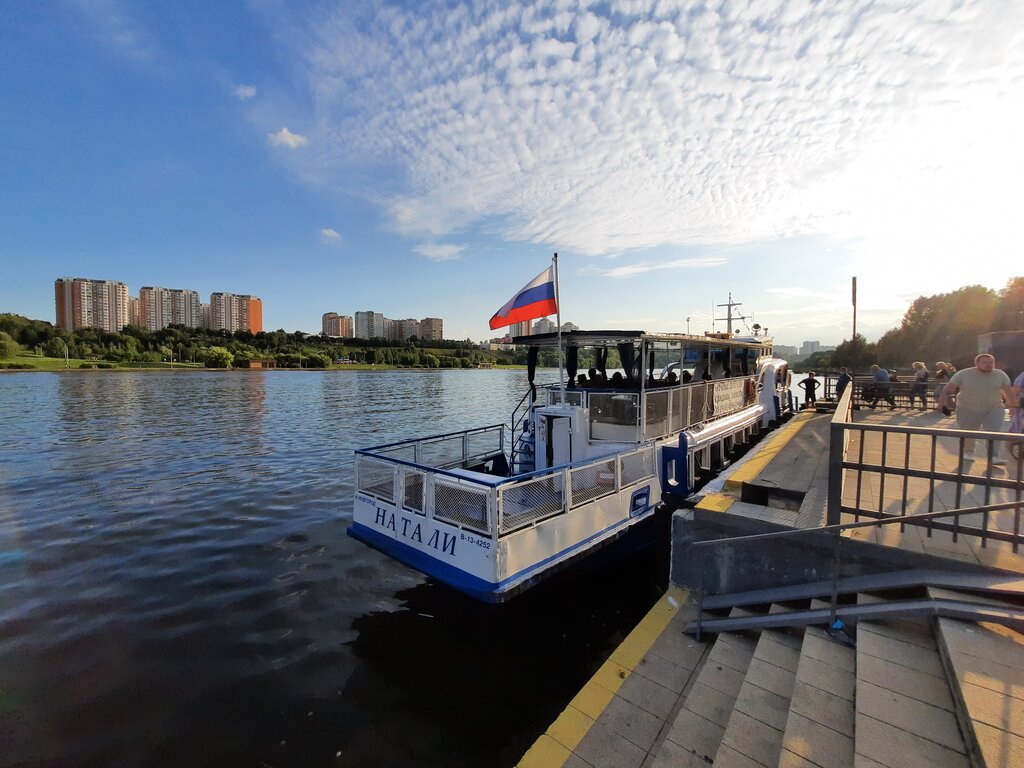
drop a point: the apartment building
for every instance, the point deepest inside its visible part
(408, 328)
(84, 303)
(431, 329)
(369, 325)
(544, 325)
(235, 312)
(337, 325)
(160, 307)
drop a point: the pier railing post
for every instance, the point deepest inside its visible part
(836, 455)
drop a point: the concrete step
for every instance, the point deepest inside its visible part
(820, 724)
(695, 736)
(985, 667)
(753, 736)
(905, 716)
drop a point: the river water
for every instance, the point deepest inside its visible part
(176, 585)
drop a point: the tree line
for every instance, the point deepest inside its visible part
(941, 327)
(945, 326)
(221, 349)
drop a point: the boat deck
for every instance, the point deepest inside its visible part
(911, 693)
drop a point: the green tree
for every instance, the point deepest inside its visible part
(9, 348)
(216, 357)
(54, 347)
(856, 354)
(317, 360)
(941, 327)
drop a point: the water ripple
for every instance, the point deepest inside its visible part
(176, 587)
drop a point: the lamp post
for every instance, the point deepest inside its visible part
(687, 326)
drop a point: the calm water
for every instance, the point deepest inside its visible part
(176, 585)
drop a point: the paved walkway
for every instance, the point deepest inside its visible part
(621, 717)
(965, 485)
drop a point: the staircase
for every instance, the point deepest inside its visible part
(895, 687)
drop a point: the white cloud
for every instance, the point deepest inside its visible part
(244, 92)
(630, 126)
(330, 236)
(440, 252)
(285, 138)
(632, 270)
(114, 24)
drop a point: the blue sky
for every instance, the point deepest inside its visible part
(427, 158)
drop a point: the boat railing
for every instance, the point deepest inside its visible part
(490, 505)
(456, 449)
(615, 413)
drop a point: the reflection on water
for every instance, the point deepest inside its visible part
(176, 587)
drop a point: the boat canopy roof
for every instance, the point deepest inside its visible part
(613, 338)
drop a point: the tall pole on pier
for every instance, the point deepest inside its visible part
(854, 296)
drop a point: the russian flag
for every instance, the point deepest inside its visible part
(536, 299)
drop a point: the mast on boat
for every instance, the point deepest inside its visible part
(729, 316)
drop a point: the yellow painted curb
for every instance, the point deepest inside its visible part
(545, 753)
(715, 502)
(752, 468)
(555, 746)
(592, 700)
(570, 727)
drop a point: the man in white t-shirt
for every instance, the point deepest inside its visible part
(983, 392)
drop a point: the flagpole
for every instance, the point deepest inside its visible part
(558, 319)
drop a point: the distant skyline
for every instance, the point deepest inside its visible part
(427, 160)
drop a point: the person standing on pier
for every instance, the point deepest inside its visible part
(810, 386)
(983, 392)
(842, 382)
(942, 374)
(882, 387)
(920, 386)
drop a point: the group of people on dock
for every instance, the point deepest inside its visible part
(982, 395)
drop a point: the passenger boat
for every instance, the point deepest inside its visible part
(493, 510)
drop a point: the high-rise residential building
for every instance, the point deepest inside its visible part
(520, 329)
(568, 327)
(336, 325)
(204, 316)
(231, 312)
(84, 303)
(369, 325)
(391, 329)
(409, 327)
(544, 325)
(133, 311)
(431, 329)
(808, 348)
(160, 307)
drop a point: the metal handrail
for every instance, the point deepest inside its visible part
(841, 426)
(514, 424)
(838, 531)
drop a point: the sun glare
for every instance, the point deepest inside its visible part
(931, 203)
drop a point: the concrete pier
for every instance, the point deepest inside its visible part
(894, 691)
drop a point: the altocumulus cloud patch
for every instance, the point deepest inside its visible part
(627, 125)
